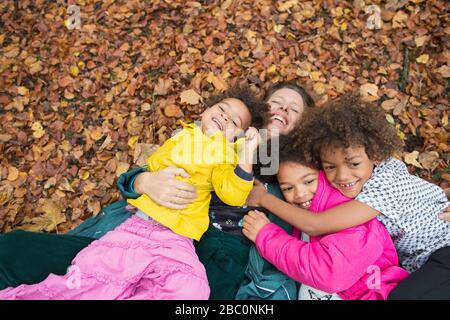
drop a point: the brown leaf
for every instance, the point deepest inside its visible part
(172, 110)
(122, 167)
(65, 81)
(163, 86)
(190, 97)
(135, 126)
(13, 174)
(429, 160)
(217, 81)
(369, 92)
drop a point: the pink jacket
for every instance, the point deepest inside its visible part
(358, 263)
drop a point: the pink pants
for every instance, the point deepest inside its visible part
(138, 260)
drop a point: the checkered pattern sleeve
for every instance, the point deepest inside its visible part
(382, 189)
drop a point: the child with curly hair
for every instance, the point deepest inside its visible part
(151, 255)
(359, 263)
(354, 146)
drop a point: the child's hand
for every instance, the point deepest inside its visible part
(446, 214)
(255, 196)
(252, 139)
(254, 221)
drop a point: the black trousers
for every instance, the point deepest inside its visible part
(431, 282)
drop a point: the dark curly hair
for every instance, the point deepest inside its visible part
(248, 97)
(343, 123)
(290, 150)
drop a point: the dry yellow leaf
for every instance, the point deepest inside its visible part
(132, 141)
(315, 75)
(13, 174)
(74, 71)
(65, 186)
(399, 19)
(411, 158)
(50, 183)
(122, 167)
(96, 134)
(146, 106)
(85, 175)
(217, 81)
(35, 67)
(420, 41)
(190, 96)
(272, 69)
(68, 95)
(319, 88)
(38, 131)
(278, 27)
(423, 58)
(444, 70)
(23, 91)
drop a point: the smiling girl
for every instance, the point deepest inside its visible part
(354, 145)
(331, 267)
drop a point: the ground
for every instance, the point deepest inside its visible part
(85, 97)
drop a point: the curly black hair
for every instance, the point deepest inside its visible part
(343, 123)
(290, 150)
(248, 97)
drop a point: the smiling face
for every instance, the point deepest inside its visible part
(347, 169)
(298, 183)
(230, 116)
(286, 107)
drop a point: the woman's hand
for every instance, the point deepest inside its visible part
(256, 195)
(162, 187)
(254, 221)
(445, 215)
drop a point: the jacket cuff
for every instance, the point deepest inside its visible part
(126, 180)
(241, 173)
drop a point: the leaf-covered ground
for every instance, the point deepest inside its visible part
(78, 107)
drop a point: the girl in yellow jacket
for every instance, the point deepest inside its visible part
(151, 255)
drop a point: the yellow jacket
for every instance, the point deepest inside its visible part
(210, 163)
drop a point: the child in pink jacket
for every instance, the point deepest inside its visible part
(359, 263)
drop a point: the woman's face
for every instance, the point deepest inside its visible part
(286, 108)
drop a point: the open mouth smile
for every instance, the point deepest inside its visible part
(218, 123)
(304, 205)
(347, 185)
(280, 119)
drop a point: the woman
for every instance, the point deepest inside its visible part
(51, 253)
